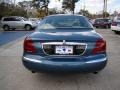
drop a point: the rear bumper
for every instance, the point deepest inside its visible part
(101, 25)
(42, 65)
(115, 28)
(34, 26)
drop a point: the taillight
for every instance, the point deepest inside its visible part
(114, 23)
(100, 47)
(28, 46)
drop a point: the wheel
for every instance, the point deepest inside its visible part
(97, 27)
(28, 27)
(13, 29)
(33, 71)
(6, 28)
(117, 32)
(95, 72)
(107, 26)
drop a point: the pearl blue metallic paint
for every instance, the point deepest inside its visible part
(88, 62)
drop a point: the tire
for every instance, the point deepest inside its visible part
(6, 28)
(116, 32)
(107, 26)
(13, 29)
(97, 27)
(33, 71)
(28, 27)
(95, 72)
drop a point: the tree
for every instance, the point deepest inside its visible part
(41, 5)
(9, 10)
(69, 5)
(106, 14)
(53, 11)
(21, 4)
(26, 5)
(85, 13)
(18, 12)
(40, 13)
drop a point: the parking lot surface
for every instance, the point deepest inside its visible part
(13, 76)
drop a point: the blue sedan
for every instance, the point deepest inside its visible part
(65, 43)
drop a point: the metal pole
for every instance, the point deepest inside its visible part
(46, 7)
(106, 9)
(73, 5)
(14, 3)
(84, 5)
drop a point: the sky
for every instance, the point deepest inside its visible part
(94, 6)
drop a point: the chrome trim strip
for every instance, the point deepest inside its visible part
(88, 62)
(32, 60)
(61, 43)
(97, 61)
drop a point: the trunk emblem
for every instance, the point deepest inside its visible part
(64, 42)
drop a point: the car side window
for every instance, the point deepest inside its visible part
(17, 19)
(11, 19)
(97, 21)
(7, 19)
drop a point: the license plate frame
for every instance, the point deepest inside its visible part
(64, 50)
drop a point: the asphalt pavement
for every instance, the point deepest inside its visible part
(13, 76)
(10, 36)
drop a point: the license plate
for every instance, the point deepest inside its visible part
(64, 50)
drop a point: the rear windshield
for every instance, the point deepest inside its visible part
(54, 22)
(102, 20)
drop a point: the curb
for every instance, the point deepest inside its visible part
(10, 44)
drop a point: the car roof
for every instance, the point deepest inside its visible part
(55, 15)
(13, 17)
(102, 19)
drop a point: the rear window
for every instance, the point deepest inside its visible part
(102, 20)
(54, 22)
(106, 20)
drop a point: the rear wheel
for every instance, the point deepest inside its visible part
(97, 27)
(6, 28)
(33, 71)
(28, 27)
(107, 26)
(13, 29)
(95, 72)
(117, 32)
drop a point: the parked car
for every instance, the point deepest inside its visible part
(34, 20)
(65, 43)
(117, 19)
(115, 26)
(102, 23)
(15, 22)
(92, 21)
